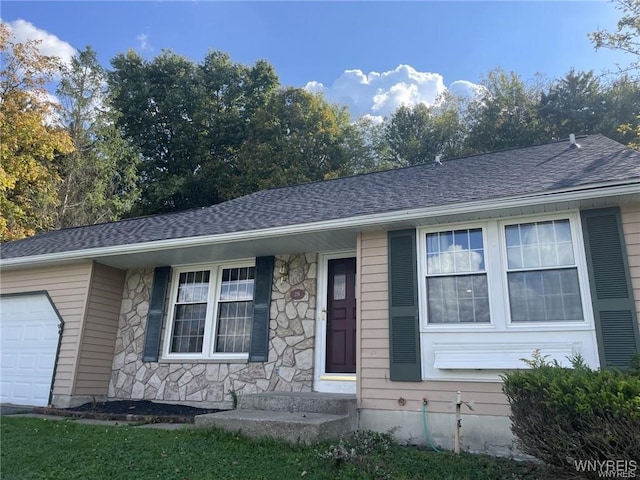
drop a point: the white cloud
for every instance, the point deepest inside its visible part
(50, 45)
(375, 119)
(466, 89)
(143, 42)
(380, 94)
(314, 87)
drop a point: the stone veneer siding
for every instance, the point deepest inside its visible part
(291, 343)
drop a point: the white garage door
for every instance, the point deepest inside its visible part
(28, 346)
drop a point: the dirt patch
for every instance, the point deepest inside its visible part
(142, 411)
(141, 407)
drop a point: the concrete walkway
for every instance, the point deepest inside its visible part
(10, 409)
(20, 413)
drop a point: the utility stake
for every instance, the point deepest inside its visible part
(458, 421)
(459, 403)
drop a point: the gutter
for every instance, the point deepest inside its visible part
(336, 224)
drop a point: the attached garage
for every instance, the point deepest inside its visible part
(30, 330)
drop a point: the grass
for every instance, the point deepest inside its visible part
(43, 449)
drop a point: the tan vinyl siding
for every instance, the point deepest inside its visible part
(375, 390)
(67, 287)
(631, 227)
(99, 334)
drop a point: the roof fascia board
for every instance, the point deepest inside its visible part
(603, 190)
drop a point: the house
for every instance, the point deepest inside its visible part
(395, 286)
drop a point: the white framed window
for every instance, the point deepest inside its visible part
(456, 278)
(210, 312)
(542, 273)
(190, 311)
(492, 292)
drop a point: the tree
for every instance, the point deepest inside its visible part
(234, 94)
(632, 132)
(30, 139)
(407, 133)
(582, 103)
(99, 176)
(626, 38)
(156, 101)
(297, 137)
(573, 104)
(188, 121)
(505, 116)
(621, 100)
(367, 148)
(417, 134)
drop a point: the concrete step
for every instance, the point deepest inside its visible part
(291, 426)
(312, 402)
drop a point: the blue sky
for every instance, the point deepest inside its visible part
(370, 55)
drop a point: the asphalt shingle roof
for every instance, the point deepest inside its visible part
(531, 170)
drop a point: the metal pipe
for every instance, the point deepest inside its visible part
(458, 421)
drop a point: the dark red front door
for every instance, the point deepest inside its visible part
(341, 316)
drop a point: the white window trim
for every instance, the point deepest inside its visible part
(499, 338)
(422, 278)
(580, 260)
(496, 271)
(211, 320)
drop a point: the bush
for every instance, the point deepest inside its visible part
(568, 416)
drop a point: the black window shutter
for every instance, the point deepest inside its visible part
(611, 291)
(404, 337)
(261, 306)
(156, 311)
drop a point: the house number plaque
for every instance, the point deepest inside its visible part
(297, 294)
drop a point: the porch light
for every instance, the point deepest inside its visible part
(284, 272)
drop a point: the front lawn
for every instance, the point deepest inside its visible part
(43, 449)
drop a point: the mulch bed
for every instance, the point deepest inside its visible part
(139, 411)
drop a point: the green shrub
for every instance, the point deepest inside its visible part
(567, 415)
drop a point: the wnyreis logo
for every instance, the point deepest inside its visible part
(608, 468)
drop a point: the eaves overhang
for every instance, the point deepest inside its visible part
(337, 233)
